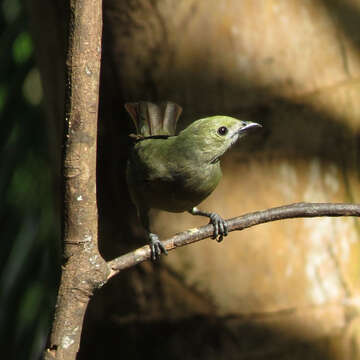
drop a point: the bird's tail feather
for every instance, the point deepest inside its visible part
(154, 119)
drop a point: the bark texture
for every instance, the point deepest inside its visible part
(83, 270)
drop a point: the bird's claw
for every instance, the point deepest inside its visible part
(220, 227)
(156, 247)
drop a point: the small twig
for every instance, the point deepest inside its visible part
(298, 210)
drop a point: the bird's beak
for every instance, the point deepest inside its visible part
(249, 126)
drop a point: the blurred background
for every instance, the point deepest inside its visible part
(29, 254)
(284, 290)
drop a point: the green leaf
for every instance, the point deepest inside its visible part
(22, 48)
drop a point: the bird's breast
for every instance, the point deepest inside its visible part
(170, 182)
(184, 188)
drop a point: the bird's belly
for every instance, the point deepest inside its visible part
(181, 194)
(177, 200)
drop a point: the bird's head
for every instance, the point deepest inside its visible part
(211, 137)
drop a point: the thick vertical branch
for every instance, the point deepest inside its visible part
(84, 270)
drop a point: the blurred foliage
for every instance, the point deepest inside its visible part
(29, 225)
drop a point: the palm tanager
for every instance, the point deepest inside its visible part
(177, 172)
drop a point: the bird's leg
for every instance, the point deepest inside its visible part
(220, 225)
(155, 244)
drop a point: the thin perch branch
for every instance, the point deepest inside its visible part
(298, 210)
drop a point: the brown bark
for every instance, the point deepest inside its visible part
(84, 269)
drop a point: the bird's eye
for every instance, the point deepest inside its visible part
(223, 130)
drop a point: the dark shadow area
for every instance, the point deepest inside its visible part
(197, 338)
(346, 17)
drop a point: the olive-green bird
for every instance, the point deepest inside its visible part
(177, 172)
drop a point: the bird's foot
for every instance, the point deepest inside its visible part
(156, 247)
(220, 226)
